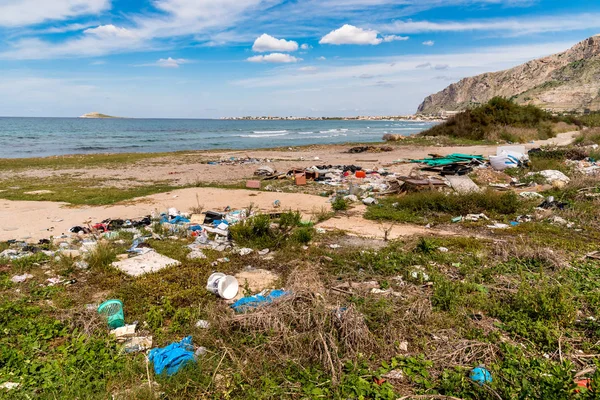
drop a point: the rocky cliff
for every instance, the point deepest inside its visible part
(568, 81)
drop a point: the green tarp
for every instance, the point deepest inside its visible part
(449, 159)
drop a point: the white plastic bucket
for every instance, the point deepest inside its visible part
(225, 286)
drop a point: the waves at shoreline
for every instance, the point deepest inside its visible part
(40, 137)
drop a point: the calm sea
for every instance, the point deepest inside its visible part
(38, 137)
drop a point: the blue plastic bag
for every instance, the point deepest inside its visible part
(247, 303)
(173, 357)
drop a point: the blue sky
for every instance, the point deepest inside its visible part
(215, 58)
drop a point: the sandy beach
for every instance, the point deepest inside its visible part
(34, 220)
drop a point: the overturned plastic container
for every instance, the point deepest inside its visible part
(113, 311)
(225, 286)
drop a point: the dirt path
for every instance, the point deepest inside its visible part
(354, 224)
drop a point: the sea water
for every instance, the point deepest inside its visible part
(39, 137)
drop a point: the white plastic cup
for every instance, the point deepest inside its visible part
(224, 286)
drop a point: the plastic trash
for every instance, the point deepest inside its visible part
(20, 278)
(173, 357)
(113, 310)
(251, 302)
(481, 376)
(553, 177)
(225, 286)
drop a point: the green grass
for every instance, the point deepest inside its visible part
(77, 161)
(75, 191)
(438, 206)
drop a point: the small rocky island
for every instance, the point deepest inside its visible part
(96, 115)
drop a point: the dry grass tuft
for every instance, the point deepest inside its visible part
(522, 251)
(305, 327)
(87, 322)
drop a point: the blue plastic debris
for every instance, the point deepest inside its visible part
(175, 220)
(481, 376)
(250, 302)
(173, 357)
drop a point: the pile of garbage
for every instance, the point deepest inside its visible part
(239, 161)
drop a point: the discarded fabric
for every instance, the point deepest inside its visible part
(449, 159)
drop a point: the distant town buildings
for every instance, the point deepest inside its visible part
(419, 117)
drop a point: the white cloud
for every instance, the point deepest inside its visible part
(306, 46)
(181, 17)
(98, 62)
(321, 58)
(514, 26)
(265, 43)
(14, 13)
(308, 70)
(171, 62)
(392, 38)
(349, 34)
(428, 43)
(402, 68)
(274, 58)
(111, 31)
(65, 28)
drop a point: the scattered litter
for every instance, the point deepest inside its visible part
(20, 278)
(200, 351)
(137, 343)
(498, 225)
(203, 324)
(369, 201)
(334, 246)
(196, 255)
(247, 303)
(264, 171)
(263, 252)
(123, 332)
(443, 249)
(9, 385)
(113, 311)
(509, 157)
(54, 281)
(172, 357)
(553, 177)
(225, 286)
(449, 159)
(462, 184)
(244, 251)
(531, 195)
(549, 203)
(395, 374)
(481, 376)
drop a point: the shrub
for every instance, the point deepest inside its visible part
(101, 258)
(340, 204)
(482, 122)
(303, 235)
